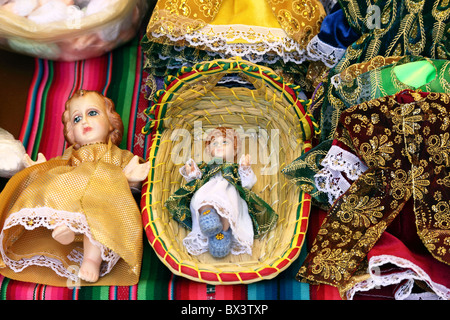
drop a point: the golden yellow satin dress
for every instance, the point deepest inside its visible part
(86, 190)
(280, 26)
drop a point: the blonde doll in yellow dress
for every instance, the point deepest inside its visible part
(74, 217)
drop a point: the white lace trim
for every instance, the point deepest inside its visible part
(268, 58)
(342, 160)
(330, 179)
(49, 218)
(196, 243)
(253, 42)
(332, 183)
(317, 50)
(411, 273)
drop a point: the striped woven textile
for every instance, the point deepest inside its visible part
(120, 76)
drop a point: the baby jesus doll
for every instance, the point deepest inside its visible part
(216, 204)
(76, 211)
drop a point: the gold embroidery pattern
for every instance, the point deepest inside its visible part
(406, 119)
(442, 214)
(208, 8)
(329, 263)
(360, 211)
(377, 151)
(414, 182)
(444, 181)
(439, 148)
(408, 164)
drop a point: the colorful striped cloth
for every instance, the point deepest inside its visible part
(120, 76)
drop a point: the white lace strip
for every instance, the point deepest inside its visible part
(242, 40)
(332, 183)
(268, 58)
(317, 50)
(331, 180)
(410, 273)
(49, 218)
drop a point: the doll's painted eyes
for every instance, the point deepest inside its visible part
(76, 119)
(91, 113)
(216, 143)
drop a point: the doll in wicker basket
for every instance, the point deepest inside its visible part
(76, 211)
(216, 204)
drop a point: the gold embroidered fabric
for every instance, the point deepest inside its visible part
(397, 27)
(357, 69)
(240, 21)
(404, 140)
(86, 190)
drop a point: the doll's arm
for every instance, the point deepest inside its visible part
(136, 172)
(190, 171)
(248, 177)
(27, 162)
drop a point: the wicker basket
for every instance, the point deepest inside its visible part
(267, 105)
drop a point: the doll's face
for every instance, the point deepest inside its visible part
(221, 147)
(90, 119)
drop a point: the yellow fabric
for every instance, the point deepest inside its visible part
(244, 12)
(85, 189)
(299, 19)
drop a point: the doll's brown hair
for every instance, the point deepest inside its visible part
(115, 134)
(228, 133)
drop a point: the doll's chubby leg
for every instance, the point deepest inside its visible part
(63, 235)
(92, 258)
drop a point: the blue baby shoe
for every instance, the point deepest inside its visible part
(209, 222)
(220, 244)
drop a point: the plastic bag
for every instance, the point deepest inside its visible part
(79, 30)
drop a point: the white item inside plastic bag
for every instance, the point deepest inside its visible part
(68, 30)
(11, 154)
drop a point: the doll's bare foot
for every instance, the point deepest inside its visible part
(90, 270)
(63, 235)
(92, 258)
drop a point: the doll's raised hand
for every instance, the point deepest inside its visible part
(136, 172)
(245, 160)
(27, 162)
(190, 171)
(190, 167)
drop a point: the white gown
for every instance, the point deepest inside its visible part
(224, 197)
